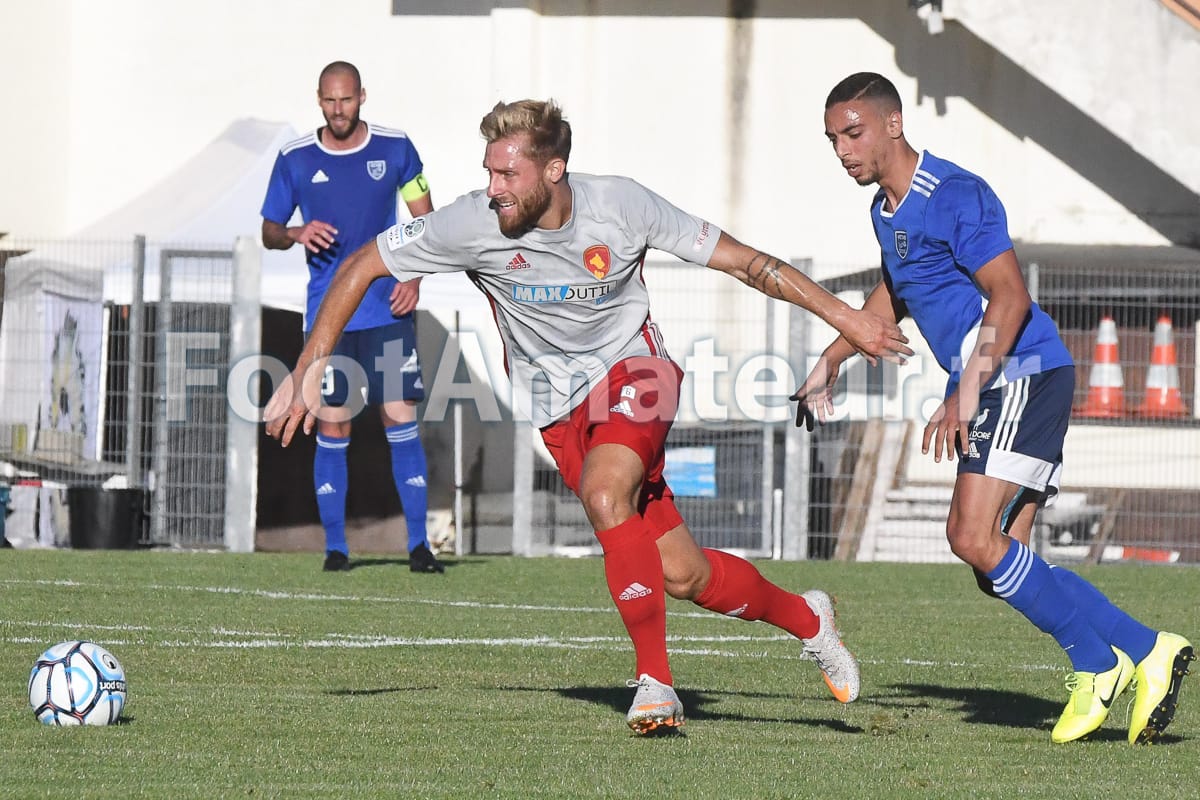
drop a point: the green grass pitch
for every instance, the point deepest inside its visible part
(261, 676)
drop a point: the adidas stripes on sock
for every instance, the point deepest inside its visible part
(330, 481)
(409, 472)
(737, 589)
(634, 573)
(1024, 581)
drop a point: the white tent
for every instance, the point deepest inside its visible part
(209, 201)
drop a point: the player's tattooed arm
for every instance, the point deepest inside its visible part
(765, 274)
(866, 332)
(774, 277)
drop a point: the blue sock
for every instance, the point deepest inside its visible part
(1108, 620)
(408, 471)
(1025, 582)
(330, 481)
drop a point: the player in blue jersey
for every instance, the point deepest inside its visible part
(347, 178)
(948, 262)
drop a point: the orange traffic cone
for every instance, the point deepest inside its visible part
(1162, 379)
(1106, 386)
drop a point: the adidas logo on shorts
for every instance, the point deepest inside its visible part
(622, 407)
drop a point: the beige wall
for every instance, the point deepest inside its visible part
(722, 118)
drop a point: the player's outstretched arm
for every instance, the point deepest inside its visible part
(867, 332)
(298, 398)
(815, 396)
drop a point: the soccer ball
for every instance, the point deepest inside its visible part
(77, 683)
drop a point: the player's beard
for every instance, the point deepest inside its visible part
(867, 178)
(339, 135)
(530, 209)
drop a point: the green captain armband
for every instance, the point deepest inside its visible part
(415, 189)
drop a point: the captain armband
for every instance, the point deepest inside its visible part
(415, 189)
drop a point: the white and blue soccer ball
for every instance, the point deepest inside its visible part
(77, 683)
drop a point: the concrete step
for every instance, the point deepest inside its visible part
(916, 511)
(921, 494)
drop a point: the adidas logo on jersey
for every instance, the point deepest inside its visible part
(623, 407)
(518, 262)
(416, 480)
(633, 591)
(737, 612)
(320, 177)
(325, 489)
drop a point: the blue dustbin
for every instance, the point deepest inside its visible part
(5, 496)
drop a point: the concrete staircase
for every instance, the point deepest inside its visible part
(910, 527)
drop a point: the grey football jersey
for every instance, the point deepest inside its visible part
(570, 303)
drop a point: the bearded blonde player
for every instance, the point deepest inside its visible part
(559, 257)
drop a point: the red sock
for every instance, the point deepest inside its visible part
(633, 569)
(738, 589)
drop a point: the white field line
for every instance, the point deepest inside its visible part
(272, 594)
(607, 644)
(223, 638)
(253, 640)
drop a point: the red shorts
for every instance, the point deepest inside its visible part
(635, 407)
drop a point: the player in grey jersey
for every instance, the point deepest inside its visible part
(562, 270)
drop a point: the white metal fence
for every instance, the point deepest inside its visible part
(133, 368)
(114, 419)
(859, 488)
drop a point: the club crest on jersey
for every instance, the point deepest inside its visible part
(902, 244)
(598, 260)
(376, 168)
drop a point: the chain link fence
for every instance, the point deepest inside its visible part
(114, 407)
(129, 381)
(859, 488)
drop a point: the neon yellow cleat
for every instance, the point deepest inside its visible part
(1159, 676)
(1092, 694)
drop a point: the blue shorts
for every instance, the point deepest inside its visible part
(1017, 434)
(380, 364)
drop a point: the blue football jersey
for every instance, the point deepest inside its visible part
(948, 225)
(356, 191)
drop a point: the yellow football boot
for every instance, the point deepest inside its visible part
(1092, 694)
(1159, 676)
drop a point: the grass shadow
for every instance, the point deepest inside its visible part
(373, 692)
(698, 705)
(980, 704)
(358, 563)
